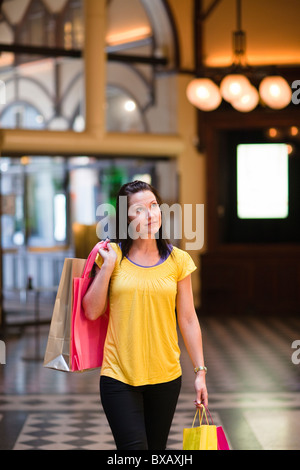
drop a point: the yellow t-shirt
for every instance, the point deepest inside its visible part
(141, 345)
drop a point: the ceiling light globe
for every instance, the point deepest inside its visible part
(233, 86)
(275, 92)
(204, 94)
(247, 102)
(129, 106)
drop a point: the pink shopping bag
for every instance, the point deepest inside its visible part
(222, 440)
(87, 337)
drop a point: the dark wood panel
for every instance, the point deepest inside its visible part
(245, 284)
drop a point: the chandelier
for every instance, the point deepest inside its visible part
(236, 87)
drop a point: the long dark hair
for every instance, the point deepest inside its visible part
(163, 244)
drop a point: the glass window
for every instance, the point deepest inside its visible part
(143, 29)
(52, 23)
(48, 92)
(41, 92)
(51, 211)
(22, 114)
(34, 191)
(43, 197)
(123, 113)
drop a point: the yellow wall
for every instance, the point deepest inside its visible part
(183, 13)
(191, 170)
(191, 164)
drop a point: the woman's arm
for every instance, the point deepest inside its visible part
(95, 300)
(191, 333)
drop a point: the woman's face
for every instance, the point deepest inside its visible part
(144, 215)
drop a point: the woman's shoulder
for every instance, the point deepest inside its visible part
(115, 246)
(184, 262)
(178, 253)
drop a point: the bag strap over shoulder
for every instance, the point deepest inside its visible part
(91, 258)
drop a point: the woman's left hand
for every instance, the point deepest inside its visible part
(201, 390)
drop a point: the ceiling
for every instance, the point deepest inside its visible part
(271, 26)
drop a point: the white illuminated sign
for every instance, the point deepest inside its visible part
(262, 181)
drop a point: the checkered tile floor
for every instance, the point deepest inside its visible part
(72, 423)
(254, 392)
(64, 431)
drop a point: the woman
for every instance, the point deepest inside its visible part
(145, 279)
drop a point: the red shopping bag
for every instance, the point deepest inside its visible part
(87, 336)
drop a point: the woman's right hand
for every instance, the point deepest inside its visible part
(95, 300)
(109, 256)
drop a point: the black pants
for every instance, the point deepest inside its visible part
(139, 417)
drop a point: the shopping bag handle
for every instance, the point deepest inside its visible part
(202, 413)
(91, 258)
(207, 411)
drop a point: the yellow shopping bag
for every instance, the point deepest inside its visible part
(202, 437)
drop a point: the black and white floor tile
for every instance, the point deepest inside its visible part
(254, 392)
(64, 431)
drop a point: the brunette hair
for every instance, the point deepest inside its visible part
(163, 244)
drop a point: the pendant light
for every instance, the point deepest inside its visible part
(247, 101)
(204, 94)
(236, 87)
(275, 92)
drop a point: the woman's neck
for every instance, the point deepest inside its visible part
(144, 252)
(146, 246)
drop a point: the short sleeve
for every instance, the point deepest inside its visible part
(185, 265)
